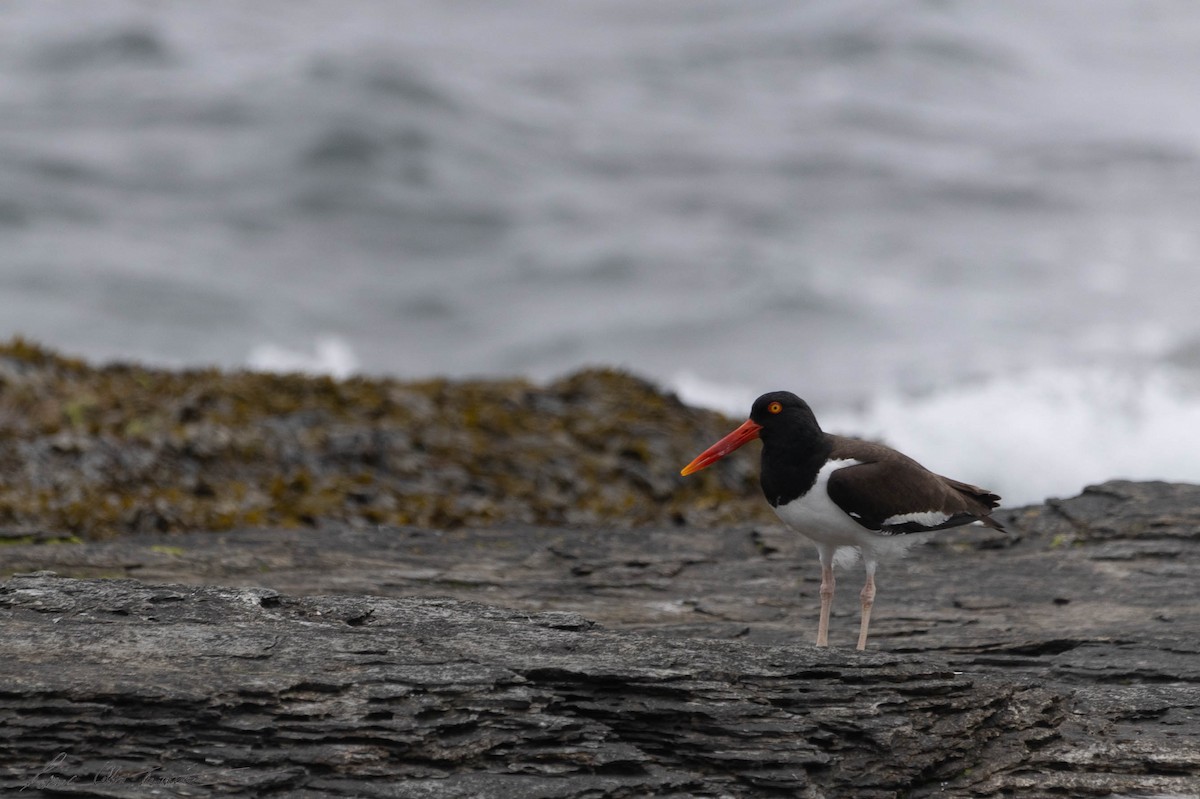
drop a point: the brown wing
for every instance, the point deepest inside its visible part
(889, 492)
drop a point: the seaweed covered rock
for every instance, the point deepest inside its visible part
(98, 451)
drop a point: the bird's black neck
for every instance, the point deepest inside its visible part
(791, 460)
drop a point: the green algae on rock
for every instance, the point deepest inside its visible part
(97, 451)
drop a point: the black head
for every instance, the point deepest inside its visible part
(794, 448)
(780, 417)
(783, 415)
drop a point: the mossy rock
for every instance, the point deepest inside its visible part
(97, 451)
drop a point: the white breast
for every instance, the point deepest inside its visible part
(815, 515)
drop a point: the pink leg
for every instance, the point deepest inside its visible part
(827, 585)
(868, 601)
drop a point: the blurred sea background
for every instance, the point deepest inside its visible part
(970, 228)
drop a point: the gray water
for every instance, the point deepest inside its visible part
(970, 227)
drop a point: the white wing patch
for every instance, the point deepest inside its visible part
(925, 518)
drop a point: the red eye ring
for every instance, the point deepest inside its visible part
(774, 407)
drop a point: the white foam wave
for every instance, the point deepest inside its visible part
(1033, 435)
(704, 393)
(331, 356)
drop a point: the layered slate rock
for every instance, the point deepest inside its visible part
(246, 692)
(1061, 658)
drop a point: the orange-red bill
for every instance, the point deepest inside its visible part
(748, 431)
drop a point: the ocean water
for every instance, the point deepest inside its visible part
(971, 229)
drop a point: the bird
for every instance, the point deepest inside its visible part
(848, 496)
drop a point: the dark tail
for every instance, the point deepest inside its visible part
(981, 497)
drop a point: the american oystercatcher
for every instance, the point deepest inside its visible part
(846, 494)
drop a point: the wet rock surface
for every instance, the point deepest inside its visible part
(1059, 659)
(246, 692)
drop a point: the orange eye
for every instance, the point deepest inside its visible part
(774, 407)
